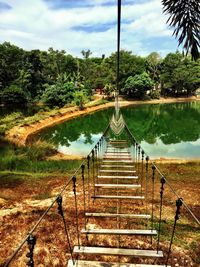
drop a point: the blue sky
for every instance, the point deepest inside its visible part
(76, 25)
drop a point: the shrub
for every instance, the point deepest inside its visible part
(58, 94)
(40, 150)
(80, 98)
(13, 95)
(155, 94)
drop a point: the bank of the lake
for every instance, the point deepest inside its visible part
(19, 134)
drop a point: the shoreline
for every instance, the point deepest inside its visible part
(19, 135)
(61, 156)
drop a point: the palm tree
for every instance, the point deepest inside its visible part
(184, 16)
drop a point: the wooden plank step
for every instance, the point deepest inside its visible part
(128, 186)
(113, 144)
(118, 141)
(118, 252)
(118, 161)
(120, 215)
(118, 176)
(119, 232)
(118, 197)
(83, 263)
(118, 171)
(113, 149)
(118, 146)
(118, 152)
(117, 156)
(117, 166)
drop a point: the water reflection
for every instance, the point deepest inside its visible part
(164, 130)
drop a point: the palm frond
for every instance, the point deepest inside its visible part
(184, 16)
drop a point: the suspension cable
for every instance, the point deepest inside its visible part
(48, 209)
(167, 182)
(179, 203)
(76, 208)
(118, 42)
(60, 211)
(175, 193)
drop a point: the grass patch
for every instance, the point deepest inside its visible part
(42, 196)
(10, 121)
(32, 159)
(18, 119)
(97, 103)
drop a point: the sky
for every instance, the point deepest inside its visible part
(76, 25)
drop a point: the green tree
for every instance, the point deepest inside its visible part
(130, 65)
(24, 80)
(169, 64)
(86, 54)
(80, 98)
(180, 75)
(138, 85)
(11, 61)
(153, 65)
(59, 93)
(35, 68)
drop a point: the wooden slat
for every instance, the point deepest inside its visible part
(118, 252)
(119, 232)
(121, 215)
(117, 152)
(118, 176)
(118, 197)
(118, 161)
(117, 156)
(118, 171)
(118, 141)
(118, 146)
(82, 263)
(117, 166)
(128, 186)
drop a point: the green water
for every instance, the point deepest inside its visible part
(164, 130)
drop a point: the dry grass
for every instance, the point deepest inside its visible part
(24, 202)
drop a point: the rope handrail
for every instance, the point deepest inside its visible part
(167, 182)
(52, 204)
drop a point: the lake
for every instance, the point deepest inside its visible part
(164, 130)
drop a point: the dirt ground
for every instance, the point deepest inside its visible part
(22, 203)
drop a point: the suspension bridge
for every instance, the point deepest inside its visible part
(120, 205)
(118, 209)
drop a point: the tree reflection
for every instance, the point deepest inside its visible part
(171, 123)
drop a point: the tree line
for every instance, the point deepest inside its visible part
(57, 78)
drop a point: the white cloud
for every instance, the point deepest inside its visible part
(34, 25)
